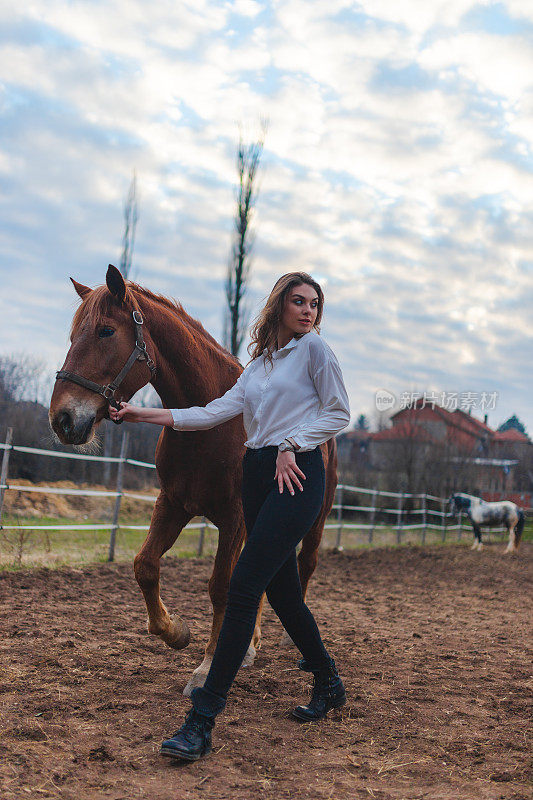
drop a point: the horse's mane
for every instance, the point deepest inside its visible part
(469, 496)
(100, 303)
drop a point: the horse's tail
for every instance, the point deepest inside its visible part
(519, 527)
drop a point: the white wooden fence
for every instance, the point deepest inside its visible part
(118, 493)
(430, 518)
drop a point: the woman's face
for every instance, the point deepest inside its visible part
(300, 310)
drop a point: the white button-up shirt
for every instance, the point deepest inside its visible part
(302, 395)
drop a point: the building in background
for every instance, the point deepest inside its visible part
(430, 449)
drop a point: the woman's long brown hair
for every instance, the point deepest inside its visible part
(264, 332)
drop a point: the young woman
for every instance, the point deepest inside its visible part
(292, 398)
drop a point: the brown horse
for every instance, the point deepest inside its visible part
(199, 471)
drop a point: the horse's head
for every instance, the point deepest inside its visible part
(459, 502)
(105, 333)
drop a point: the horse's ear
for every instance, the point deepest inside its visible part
(82, 290)
(115, 283)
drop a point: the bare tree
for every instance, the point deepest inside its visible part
(382, 420)
(236, 316)
(408, 454)
(23, 377)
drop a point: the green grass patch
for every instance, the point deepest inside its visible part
(57, 548)
(23, 549)
(388, 537)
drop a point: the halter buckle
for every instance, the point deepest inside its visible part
(137, 317)
(108, 392)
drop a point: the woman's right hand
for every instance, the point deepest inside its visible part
(288, 472)
(126, 412)
(129, 413)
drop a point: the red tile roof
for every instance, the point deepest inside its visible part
(457, 422)
(462, 428)
(511, 435)
(403, 431)
(473, 422)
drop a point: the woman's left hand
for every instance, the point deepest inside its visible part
(287, 472)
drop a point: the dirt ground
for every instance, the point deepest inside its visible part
(434, 645)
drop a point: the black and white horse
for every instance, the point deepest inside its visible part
(480, 513)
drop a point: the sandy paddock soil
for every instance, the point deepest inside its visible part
(434, 646)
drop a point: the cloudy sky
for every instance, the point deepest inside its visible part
(397, 170)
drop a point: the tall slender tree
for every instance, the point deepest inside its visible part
(236, 312)
(131, 215)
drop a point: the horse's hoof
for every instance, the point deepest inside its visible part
(196, 680)
(198, 677)
(249, 658)
(286, 640)
(177, 635)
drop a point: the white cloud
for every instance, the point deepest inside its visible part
(494, 63)
(395, 166)
(246, 8)
(418, 17)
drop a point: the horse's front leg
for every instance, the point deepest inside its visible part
(230, 539)
(478, 544)
(165, 527)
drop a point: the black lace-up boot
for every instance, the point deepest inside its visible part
(328, 692)
(193, 739)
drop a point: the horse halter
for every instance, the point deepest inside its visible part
(139, 353)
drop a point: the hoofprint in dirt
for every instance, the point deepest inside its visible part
(434, 646)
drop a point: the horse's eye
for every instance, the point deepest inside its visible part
(105, 331)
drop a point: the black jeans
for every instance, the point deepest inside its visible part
(275, 523)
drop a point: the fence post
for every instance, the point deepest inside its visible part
(399, 527)
(444, 521)
(424, 518)
(459, 532)
(375, 494)
(118, 499)
(202, 537)
(3, 472)
(338, 545)
(109, 430)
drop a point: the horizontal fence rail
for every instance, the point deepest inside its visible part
(400, 522)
